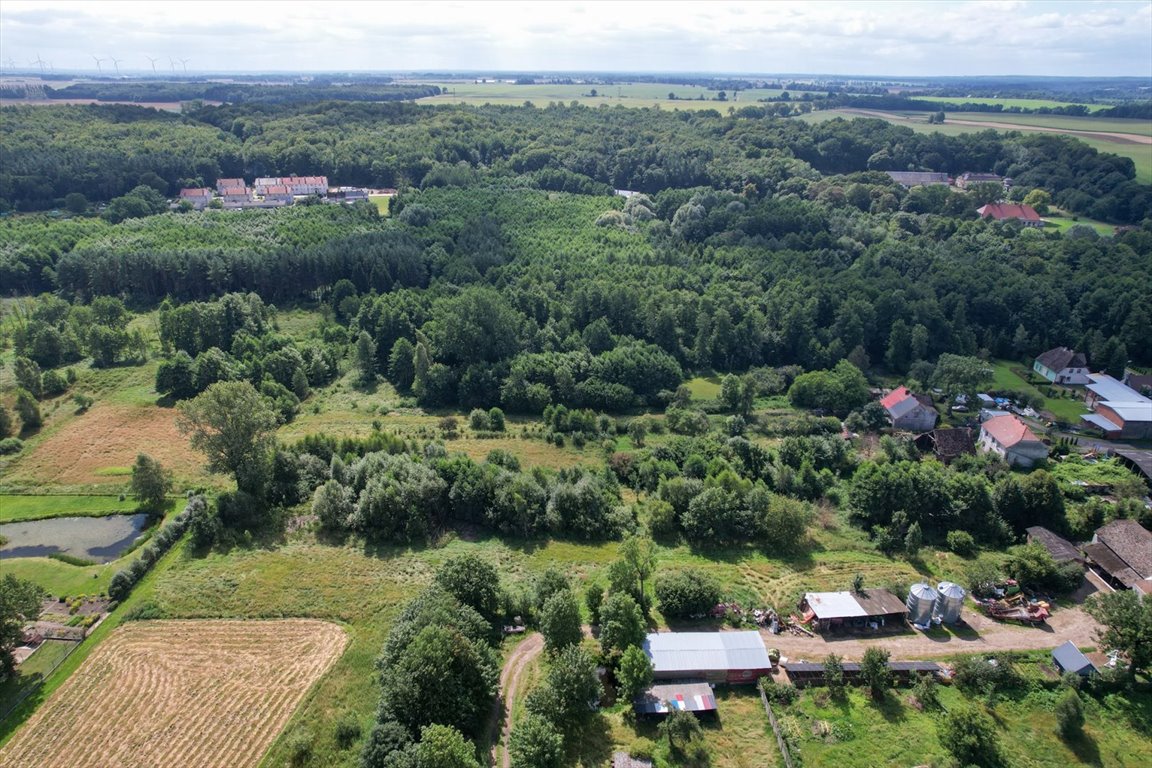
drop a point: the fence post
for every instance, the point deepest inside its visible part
(775, 727)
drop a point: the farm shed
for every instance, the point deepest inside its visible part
(1068, 658)
(715, 657)
(695, 696)
(805, 673)
(1062, 550)
(1136, 460)
(867, 609)
(947, 444)
(1121, 552)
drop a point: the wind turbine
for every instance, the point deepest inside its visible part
(172, 62)
(40, 62)
(153, 63)
(116, 63)
(185, 63)
(98, 60)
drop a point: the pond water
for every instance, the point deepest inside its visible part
(101, 539)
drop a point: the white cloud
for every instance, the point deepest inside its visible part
(1112, 37)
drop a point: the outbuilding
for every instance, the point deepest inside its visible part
(866, 609)
(690, 696)
(1068, 658)
(713, 657)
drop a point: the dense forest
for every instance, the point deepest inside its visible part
(103, 152)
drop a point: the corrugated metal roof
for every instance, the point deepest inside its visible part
(1097, 420)
(690, 697)
(834, 605)
(1070, 659)
(1109, 389)
(1137, 411)
(702, 651)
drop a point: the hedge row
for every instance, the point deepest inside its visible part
(126, 578)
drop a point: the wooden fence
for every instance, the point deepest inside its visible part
(775, 728)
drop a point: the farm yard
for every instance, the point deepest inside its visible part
(178, 693)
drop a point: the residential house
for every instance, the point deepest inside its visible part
(1011, 438)
(296, 185)
(198, 197)
(1025, 214)
(914, 413)
(1061, 365)
(222, 185)
(1121, 552)
(918, 178)
(277, 193)
(947, 444)
(1118, 411)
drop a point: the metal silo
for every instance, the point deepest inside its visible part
(921, 602)
(950, 602)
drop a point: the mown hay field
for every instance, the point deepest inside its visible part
(178, 693)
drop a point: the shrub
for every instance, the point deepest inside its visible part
(686, 594)
(347, 730)
(1069, 715)
(962, 543)
(777, 693)
(11, 445)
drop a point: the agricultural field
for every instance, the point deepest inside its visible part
(627, 95)
(1008, 103)
(179, 693)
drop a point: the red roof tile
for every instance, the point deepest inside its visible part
(1009, 430)
(898, 395)
(1001, 211)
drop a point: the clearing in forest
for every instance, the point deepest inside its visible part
(177, 693)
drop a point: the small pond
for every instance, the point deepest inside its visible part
(101, 539)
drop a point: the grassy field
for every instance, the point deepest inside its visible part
(33, 670)
(1066, 409)
(1140, 154)
(1008, 103)
(1063, 223)
(17, 508)
(627, 94)
(859, 733)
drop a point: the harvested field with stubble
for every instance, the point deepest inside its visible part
(178, 693)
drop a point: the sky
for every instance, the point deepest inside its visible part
(857, 37)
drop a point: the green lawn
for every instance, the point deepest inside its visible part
(16, 508)
(33, 670)
(1065, 409)
(861, 734)
(704, 387)
(1063, 223)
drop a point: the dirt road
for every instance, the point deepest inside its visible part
(522, 656)
(982, 635)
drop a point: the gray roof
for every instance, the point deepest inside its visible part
(1130, 541)
(1061, 357)
(912, 178)
(1070, 659)
(852, 666)
(703, 651)
(1138, 459)
(688, 696)
(847, 605)
(1109, 389)
(1138, 411)
(1061, 549)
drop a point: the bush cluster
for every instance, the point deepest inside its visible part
(127, 578)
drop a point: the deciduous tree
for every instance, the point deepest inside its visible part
(232, 424)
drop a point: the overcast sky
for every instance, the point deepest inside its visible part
(909, 37)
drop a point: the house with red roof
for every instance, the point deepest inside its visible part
(1025, 214)
(1011, 438)
(197, 196)
(906, 411)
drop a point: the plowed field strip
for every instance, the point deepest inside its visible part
(179, 693)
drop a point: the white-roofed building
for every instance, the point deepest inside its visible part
(717, 657)
(1118, 411)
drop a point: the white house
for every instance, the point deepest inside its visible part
(1062, 366)
(1009, 437)
(910, 412)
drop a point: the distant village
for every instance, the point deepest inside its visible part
(273, 192)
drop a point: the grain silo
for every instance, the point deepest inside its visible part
(950, 601)
(921, 602)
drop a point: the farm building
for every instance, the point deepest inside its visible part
(1121, 553)
(1136, 460)
(907, 411)
(918, 178)
(805, 673)
(688, 696)
(947, 444)
(1009, 437)
(866, 609)
(1062, 550)
(715, 657)
(966, 180)
(1061, 365)
(1118, 411)
(1068, 658)
(1025, 214)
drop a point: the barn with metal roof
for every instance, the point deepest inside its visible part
(716, 657)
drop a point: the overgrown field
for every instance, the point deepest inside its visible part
(204, 693)
(858, 733)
